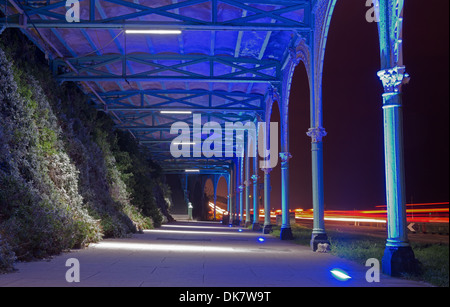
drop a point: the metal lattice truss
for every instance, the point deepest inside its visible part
(224, 65)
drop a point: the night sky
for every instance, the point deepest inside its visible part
(353, 118)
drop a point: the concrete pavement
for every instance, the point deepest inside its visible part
(191, 254)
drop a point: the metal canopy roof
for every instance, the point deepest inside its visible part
(222, 65)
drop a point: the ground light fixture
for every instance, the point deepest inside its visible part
(153, 31)
(340, 274)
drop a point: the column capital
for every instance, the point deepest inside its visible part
(267, 170)
(293, 53)
(273, 92)
(316, 134)
(285, 157)
(241, 188)
(393, 78)
(255, 178)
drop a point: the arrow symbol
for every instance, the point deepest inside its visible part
(410, 227)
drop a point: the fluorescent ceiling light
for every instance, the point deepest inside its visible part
(161, 32)
(184, 143)
(192, 171)
(176, 112)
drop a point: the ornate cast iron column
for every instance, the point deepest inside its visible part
(286, 231)
(248, 221)
(255, 226)
(398, 256)
(318, 235)
(230, 197)
(267, 222)
(241, 190)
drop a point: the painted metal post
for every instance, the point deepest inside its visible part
(317, 133)
(215, 203)
(255, 226)
(286, 231)
(230, 197)
(394, 170)
(241, 191)
(241, 204)
(398, 255)
(319, 236)
(237, 197)
(288, 72)
(215, 184)
(267, 221)
(248, 221)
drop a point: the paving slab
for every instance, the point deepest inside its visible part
(194, 254)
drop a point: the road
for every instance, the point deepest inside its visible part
(379, 232)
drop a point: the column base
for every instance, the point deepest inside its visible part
(286, 234)
(247, 224)
(399, 260)
(236, 222)
(319, 238)
(267, 229)
(256, 227)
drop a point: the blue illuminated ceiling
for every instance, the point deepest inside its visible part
(222, 65)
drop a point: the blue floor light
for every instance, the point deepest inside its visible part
(340, 274)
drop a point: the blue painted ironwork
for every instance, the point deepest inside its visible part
(231, 62)
(267, 218)
(398, 256)
(263, 15)
(157, 67)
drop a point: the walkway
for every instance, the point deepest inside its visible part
(190, 254)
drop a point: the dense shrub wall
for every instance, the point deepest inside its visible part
(67, 178)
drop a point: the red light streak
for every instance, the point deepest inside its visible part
(429, 213)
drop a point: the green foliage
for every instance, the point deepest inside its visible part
(7, 256)
(434, 261)
(433, 258)
(67, 178)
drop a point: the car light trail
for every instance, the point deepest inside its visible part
(417, 213)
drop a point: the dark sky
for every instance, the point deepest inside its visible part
(353, 118)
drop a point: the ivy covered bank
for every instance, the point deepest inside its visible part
(67, 178)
